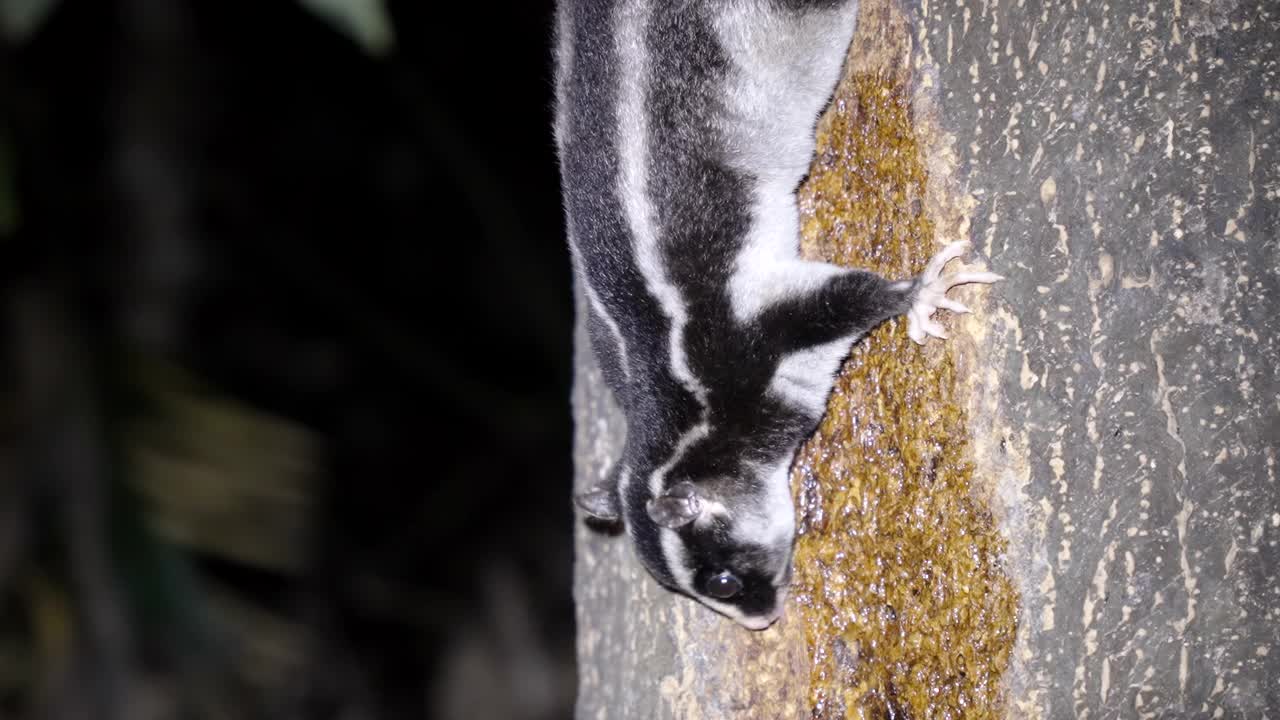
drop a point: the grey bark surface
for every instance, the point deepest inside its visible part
(1123, 160)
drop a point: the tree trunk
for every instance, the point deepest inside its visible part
(1110, 410)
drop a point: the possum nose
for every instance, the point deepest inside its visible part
(760, 622)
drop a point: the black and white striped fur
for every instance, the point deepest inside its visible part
(684, 128)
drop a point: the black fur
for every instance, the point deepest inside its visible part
(702, 211)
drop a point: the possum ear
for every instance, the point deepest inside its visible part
(677, 507)
(600, 502)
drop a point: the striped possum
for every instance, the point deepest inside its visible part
(684, 128)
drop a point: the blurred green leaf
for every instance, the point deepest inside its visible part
(53, 625)
(17, 662)
(222, 478)
(163, 589)
(364, 21)
(20, 18)
(8, 196)
(269, 649)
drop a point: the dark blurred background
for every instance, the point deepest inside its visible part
(284, 362)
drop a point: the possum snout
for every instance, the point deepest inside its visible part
(761, 622)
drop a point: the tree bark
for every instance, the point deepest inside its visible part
(1125, 156)
(1118, 163)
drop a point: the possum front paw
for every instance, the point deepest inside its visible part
(931, 293)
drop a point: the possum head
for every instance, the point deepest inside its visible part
(707, 539)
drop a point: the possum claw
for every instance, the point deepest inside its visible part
(931, 294)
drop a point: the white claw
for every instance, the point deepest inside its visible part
(931, 294)
(914, 329)
(949, 253)
(964, 278)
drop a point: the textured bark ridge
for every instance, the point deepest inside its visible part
(1124, 158)
(1110, 410)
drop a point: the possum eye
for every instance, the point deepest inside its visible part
(724, 586)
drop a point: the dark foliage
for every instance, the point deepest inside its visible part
(231, 204)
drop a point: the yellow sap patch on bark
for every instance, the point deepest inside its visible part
(897, 567)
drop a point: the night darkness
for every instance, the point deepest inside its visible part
(248, 248)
